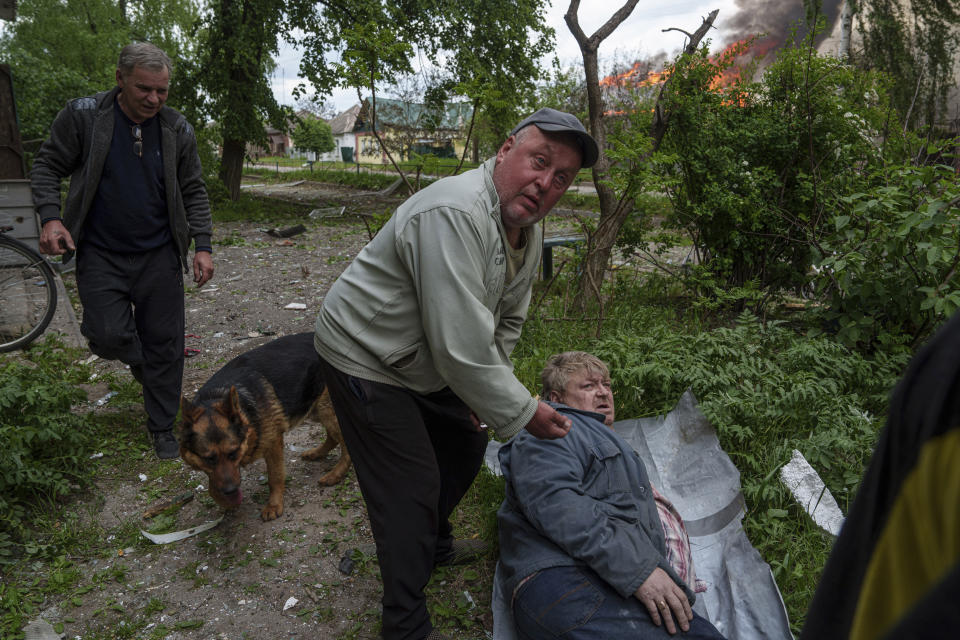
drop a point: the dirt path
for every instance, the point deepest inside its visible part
(244, 578)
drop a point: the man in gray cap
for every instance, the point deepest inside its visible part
(415, 340)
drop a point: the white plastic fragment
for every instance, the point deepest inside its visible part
(290, 603)
(164, 538)
(811, 493)
(98, 454)
(105, 399)
(143, 477)
(296, 305)
(327, 212)
(40, 629)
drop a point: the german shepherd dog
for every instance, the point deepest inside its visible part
(243, 410)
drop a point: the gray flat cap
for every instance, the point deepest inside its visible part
(548, 119)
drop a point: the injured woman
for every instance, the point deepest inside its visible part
(588, 548)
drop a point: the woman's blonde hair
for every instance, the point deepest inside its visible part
(561, 367)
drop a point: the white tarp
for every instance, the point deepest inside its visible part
(686, 464)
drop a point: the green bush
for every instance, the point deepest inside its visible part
(890, 265)
(754, 170)
(44, 446)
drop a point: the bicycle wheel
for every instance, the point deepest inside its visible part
(28, 294)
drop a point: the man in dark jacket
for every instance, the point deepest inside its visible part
(582, 547)
(894, 571)
(136, 200)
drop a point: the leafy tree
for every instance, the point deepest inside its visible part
(486, 51)
(754, 172)
(237, 41)
(313, 134)
(565, 90)
(62, 49)
(495, 51)
(614, 210)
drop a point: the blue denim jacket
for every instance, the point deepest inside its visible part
(583, 499)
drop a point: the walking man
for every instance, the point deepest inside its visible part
(136, 200)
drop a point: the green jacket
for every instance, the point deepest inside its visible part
(77, 148)
(423, 306)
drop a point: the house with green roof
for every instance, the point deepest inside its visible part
(409, 129)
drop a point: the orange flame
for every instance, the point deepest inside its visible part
(632, 77)
(723, 80)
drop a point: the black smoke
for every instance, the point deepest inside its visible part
(775, 20)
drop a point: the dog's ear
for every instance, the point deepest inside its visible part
(233, 407)
(189, 411)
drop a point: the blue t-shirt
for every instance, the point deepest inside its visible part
(129, 211)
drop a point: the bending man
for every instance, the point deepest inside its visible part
(418, 330)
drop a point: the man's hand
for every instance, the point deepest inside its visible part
(547, 424)
(202, 267)
(665, 601)
(55, 240)
(477, 425)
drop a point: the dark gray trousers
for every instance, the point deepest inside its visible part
(133, 312)
(415, 457)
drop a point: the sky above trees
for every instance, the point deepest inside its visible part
(640, 36)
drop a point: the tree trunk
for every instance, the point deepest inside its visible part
(599, 243)
(846, 26)
(613, 211)
(231, 166)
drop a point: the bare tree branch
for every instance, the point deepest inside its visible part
(686, 33)
(466, 143)
(376, 134)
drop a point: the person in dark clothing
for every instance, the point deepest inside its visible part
(894, 571)
(136, 200)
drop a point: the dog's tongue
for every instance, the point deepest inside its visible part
(237, 498)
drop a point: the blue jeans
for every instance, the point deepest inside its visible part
(574, 603)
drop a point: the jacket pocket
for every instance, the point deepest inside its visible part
(404, 358)
(607, 474)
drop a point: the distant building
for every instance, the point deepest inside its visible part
(343, 136)
(278, 143)
(410, 128)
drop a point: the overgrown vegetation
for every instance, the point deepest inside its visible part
(45, 445)
(801, 183)
(48, 435)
